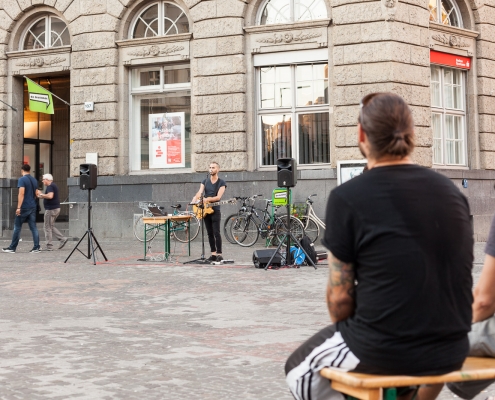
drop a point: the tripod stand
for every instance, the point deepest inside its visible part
(287, 237)
(91, 237)
(202, 259)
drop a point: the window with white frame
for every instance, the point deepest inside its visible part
(45, 32)
(287, 11)
(445, 12)
(293, 113)
(159, 19)
(448, 119)
(160, 135)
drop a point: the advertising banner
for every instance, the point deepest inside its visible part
(450, 60)
(167, 142)
(40, 99)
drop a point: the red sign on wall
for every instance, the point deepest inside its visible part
(450, 60)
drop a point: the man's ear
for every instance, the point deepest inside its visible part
(361, 134)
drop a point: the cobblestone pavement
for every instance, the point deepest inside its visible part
(129, 329)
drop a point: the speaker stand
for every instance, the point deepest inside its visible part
(287, 237)
(91, 239)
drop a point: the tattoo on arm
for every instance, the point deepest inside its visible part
(340, 291)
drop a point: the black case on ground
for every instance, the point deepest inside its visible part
(261, 258)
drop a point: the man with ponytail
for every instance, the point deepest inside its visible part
(400, 256)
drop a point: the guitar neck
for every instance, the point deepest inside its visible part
(218, 203)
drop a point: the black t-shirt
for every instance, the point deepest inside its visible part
(407, 231)
(211, 189)
(53, 203)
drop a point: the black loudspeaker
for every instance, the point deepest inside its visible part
(286, 172)
(88, 175)
(261, 258)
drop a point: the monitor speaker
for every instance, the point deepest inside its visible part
(88, 176)
(261, 258)
(286, 172)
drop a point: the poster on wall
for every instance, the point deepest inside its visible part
(167, 141)
(348, 169)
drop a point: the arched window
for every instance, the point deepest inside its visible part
(45, 32)
(160, 19)
(287, 11)
(449, 14)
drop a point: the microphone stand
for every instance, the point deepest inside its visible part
(201, 203)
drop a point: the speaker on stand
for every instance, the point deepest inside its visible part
(88, 177)
(287, 178)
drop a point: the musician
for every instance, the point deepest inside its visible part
(212, 190)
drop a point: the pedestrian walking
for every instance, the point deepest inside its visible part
(51, 203)
(26, 211)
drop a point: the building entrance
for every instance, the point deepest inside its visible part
(46, 139)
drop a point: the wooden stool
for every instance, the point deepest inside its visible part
(370, 387)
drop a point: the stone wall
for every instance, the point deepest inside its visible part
(484, 16)
(380, 48)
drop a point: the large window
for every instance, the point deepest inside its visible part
(287, 11)
(293, 113)
(445, 12)
(161, 117)
(160, 19)
(448, 118)
(45, 32)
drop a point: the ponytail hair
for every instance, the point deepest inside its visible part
(387, 121)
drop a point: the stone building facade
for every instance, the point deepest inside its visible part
(242, 82)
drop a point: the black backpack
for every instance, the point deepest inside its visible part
(309, 248)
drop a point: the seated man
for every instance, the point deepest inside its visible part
(482, 335)
(401, 254)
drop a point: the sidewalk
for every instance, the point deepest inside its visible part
(128, 329)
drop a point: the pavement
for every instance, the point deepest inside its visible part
(131, 329)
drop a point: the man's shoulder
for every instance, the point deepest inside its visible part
(24, 181)
(52, 187)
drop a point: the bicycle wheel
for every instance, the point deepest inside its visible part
(179, 229)
(139, 231)
(296, 228)
(227, 227)
(311, 228)
(244, 230)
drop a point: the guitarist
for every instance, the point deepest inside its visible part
(213, 189)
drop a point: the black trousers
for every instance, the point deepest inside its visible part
(212, 224)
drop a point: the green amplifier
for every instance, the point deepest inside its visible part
(279, 197)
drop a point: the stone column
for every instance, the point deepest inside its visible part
(484, 14)
(380, 46)
(94, 78)
(218, 84)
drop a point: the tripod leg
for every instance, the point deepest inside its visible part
(276, 251)
(98, 246)
(76, 247)
(304, 251)
(91, 246)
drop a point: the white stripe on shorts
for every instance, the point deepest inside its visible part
(305, 381)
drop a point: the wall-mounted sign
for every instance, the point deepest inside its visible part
(167, 144)
(348, 169)
(89, 106)
(450, 60)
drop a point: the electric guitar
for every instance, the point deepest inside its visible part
(203, 211)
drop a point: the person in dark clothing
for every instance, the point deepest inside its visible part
(400, 257)
(26, 211)
(51, 202)
(212, 190)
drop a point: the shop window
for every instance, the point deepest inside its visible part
(445, 12)
(160, 19)
(287, 11)
(293, 113)
(448, 116)
(45, 32)
(161, 117)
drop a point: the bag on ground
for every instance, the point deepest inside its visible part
(309, 248)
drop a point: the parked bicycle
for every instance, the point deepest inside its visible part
(178, 229)
(249, 226)
(246, 201)
(311, 221)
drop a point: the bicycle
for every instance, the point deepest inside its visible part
(228, 221)
(311, 221)
(178, 229)
(249, 226)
